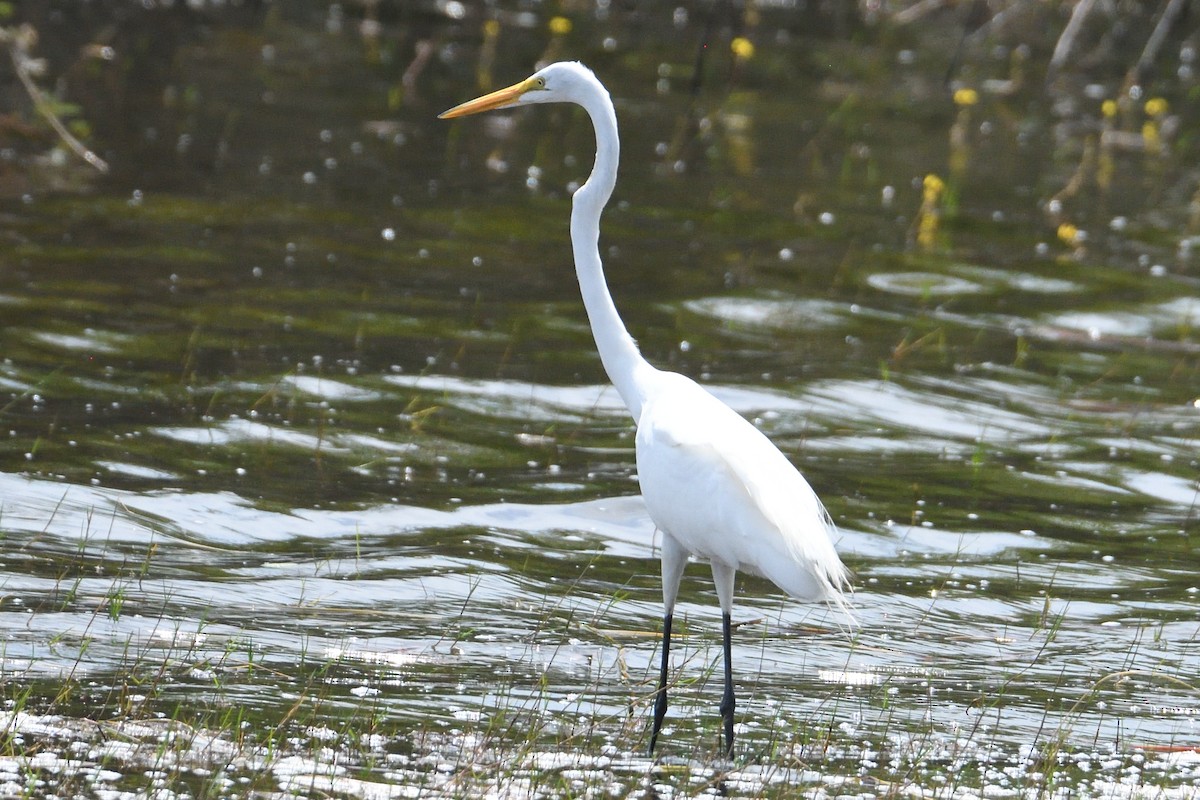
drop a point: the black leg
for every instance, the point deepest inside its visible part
(660, 701)
(727, 702)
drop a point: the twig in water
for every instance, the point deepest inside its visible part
(1170, 13)
(1067, 39)
(19, 44)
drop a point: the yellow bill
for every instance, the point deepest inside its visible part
(497, 99)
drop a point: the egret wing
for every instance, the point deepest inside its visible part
(723, 490)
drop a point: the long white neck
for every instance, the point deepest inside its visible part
(618, 352)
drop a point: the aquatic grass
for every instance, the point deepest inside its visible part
(523, 746)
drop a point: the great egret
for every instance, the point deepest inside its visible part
(714, 485)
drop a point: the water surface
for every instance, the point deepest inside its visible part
(313, 482)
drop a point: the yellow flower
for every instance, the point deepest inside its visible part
(742, 47)
(965, 97)
(927, 228)
(1156, 107)
(1068, 233)
(560, 26)
(933, 187)
(928, 216)
(1109, 109)
(1150, 137)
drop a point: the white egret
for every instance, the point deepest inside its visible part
(714, 485)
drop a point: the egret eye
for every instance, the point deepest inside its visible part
(541, 83)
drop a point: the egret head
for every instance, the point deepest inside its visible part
(560, 82)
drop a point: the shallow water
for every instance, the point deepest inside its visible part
(313, 482)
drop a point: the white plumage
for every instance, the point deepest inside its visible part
(724, 492)
(714, 485)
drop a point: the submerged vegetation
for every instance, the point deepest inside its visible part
(312, 485)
